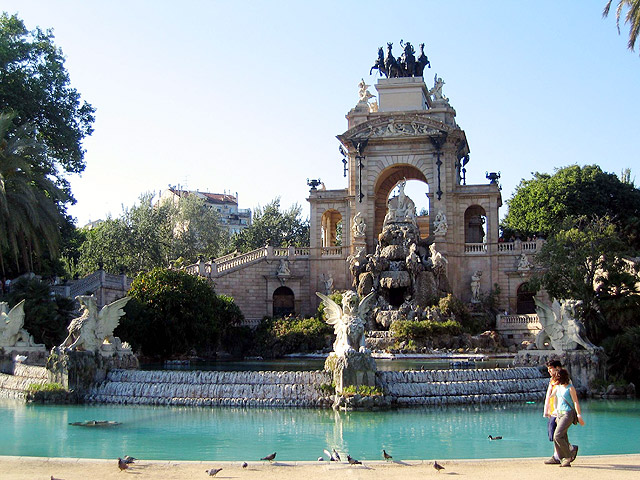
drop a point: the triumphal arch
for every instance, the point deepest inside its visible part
(408, 131)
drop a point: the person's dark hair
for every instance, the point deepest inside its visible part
(563, 376)
(554, 364)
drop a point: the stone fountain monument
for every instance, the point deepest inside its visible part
(407, 273)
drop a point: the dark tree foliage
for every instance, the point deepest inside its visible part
(542, 205)
(173, 314)
(585, 261)
(35, 85)
(45, 317)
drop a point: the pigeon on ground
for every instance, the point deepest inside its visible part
(54, 478)
(122, 465)
(353, 461)
(212, 472)
(269, 457)
(129, 459)
(437, 466)
(245, 464)
(385, 455)
(320, 459)
(336, 455)
(491, 437)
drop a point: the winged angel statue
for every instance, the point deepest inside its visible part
(90, 330)
(560, 327)
(11, 322)
(347, 321)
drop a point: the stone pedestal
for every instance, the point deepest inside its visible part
(354, 368)
(584, 366)
(78, 370)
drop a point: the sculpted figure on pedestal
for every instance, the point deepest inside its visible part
(440, 225)
(348, 321)
(90, 330)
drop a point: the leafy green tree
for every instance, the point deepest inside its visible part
(35, 85)
(49, 123)
(632, 18)
(150, 235)
(29, 200)
(273, 227)
(172, 314)
(541, 205)
(585, 261)
(46, 317)
(197, 230)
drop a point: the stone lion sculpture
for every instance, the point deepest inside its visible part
(560, 327)
(89, 331)
(348, 321)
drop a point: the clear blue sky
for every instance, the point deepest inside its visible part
(248, 96)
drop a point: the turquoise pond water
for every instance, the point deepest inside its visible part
(163, 433)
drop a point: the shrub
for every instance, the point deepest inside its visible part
(173, 313)
(421, 330)
(362, 390)
(624, 355)
(277, 337)
(45, 387)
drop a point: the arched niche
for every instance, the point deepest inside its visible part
(283, 302)
(475, 224)
(386, 182)
(331, 226)
(524, 300)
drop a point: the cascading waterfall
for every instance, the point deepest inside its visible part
(441, 387)
(300, 389)
(204, 388)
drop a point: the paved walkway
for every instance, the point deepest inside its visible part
(618, 467)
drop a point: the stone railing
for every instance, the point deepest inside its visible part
(475, 248)
(234, 260)
(506, 248)
(331, 251)
(518, 322)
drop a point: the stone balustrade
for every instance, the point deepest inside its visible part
(518, 322)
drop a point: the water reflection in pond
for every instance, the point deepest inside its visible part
(302, 434)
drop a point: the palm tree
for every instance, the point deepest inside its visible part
(632, 18)
(29, 215)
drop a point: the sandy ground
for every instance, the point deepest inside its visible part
(617, 467)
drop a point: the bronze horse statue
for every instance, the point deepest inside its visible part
(379, 65)
(391, 64)
(422, 62)
(406, 66)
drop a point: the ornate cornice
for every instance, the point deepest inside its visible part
(398, 125)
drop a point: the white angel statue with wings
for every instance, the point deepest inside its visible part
(348, 320)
